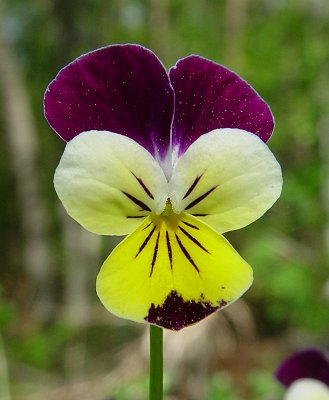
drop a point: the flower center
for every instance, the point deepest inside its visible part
(168, 209)
(167, 217)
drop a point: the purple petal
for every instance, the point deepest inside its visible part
(310, 363)
(209, 96)
(122, 88)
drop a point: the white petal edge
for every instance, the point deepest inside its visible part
(96, 170)
(239, 170)
(307, 389)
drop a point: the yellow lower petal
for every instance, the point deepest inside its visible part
(172, 271)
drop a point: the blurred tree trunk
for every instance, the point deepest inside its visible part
(235, 23)
(322, 94)
(4, 375)
(320, 97)
(81, 253)
(81, 248)
(159, 27)
(65, 13)
(24, 149)
(234, 32)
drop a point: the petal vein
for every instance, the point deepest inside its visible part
(186, 253)
(193, 239)
(142, 205)
(155, 254)
(200, 198)
(145, 241)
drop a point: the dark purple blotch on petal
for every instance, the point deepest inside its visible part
(309, 363)
(121, 88)
(208, 96)
(176, 313)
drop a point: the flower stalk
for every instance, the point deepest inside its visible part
(156, 363)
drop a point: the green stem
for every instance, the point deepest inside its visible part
(156, 363)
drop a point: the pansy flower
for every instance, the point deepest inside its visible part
(306, 375)
(172, 160)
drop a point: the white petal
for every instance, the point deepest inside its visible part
(227, 177)
(307, 389)
(109, 183)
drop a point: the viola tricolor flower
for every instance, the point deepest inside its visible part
(171, 159)
(306, 375)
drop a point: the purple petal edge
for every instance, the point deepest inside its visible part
(119, 88)
(309, 363)
(209, 96)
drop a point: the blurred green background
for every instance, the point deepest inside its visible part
(56, 339)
